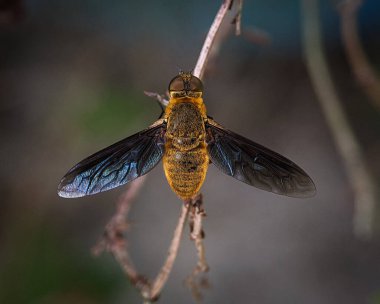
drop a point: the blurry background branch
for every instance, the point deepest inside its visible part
(237, 19)
(365, 75)
(347, 144)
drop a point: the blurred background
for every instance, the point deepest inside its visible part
(72, 76)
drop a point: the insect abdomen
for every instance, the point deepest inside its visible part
(185, 170)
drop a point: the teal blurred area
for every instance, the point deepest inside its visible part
(72, 76)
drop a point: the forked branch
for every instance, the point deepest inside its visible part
(113, 239)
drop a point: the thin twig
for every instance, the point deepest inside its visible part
(204, 55)
(197, 235)
(365, 75)
(163, 275)
(159, 97)
(113, 239)
(208, 45)
(345, 140)
(114, 242)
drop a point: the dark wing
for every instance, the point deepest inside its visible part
(115, 165)
(254, 164)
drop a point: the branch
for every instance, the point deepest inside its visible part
(159, 97)
(343, 135)
(163, 275)
(113, 239)
(114, 242)
(208, 45)
(205, 52)
(365, 75)
(197, 235)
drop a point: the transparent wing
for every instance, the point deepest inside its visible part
(254, 164)
(115, 165)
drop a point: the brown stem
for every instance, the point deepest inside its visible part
(205, 52)
(197, 235)
(208, 45)
(160, 98)
(163, 275)
(113, 239)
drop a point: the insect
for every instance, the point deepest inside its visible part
(187, 140)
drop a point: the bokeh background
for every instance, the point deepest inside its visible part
(72, 76)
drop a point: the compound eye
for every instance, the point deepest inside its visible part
(196, 84)
(176, 84)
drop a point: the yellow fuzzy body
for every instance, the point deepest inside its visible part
(185, 159)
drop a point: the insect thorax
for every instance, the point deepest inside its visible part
(185, 126)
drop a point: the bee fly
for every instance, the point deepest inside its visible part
(187, 140)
